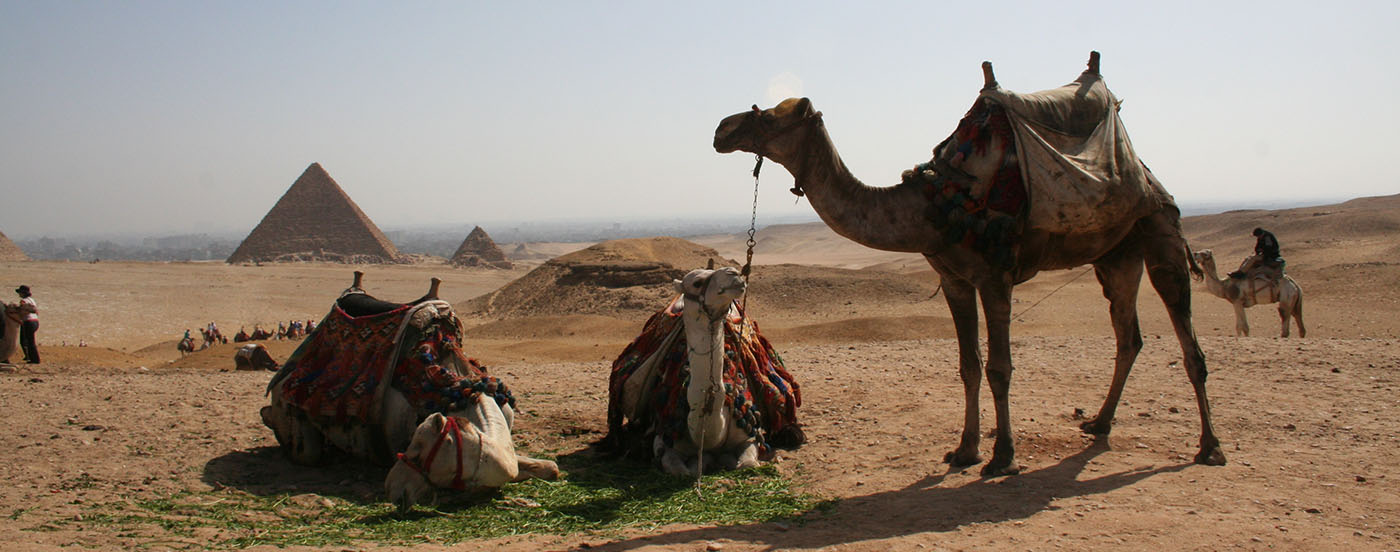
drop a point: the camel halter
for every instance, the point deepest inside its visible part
(449, 426)
(754, 116)
(713, 320)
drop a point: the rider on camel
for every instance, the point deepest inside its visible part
(1266, 254)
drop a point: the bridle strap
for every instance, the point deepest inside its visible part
(815, 116)
(450, 425)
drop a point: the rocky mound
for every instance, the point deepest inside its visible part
(610, 278)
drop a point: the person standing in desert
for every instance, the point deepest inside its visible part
(30, 325)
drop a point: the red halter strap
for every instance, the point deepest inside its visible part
(455, 429)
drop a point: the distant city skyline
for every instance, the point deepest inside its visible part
(163, 118)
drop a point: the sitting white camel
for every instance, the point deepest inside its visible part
(710, 426)
(701, 388)
(467, 449)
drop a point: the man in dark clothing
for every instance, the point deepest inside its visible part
(1266, 247)
(1266, 252)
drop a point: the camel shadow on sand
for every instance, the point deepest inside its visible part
(921, 507)
(266, 471)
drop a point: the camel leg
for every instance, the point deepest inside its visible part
(1283, 316)
(306, 443)
(1298, 312)
(672, 461)
(996, 306)
(962, 302)
(1241, 322)
(1120, 277)
(1166, 268)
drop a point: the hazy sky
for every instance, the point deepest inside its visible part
(167, 117)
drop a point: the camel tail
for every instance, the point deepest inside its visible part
(1196, 271)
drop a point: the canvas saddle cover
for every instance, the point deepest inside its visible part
(1260, 276)
(1080, 170)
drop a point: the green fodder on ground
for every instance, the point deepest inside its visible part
(596, 496)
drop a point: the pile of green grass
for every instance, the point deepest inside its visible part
(595, 497)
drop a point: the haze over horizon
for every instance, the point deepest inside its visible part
(167, 117)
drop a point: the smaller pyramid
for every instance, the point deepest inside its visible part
(315, 221)
(479, 250)
(11, 252)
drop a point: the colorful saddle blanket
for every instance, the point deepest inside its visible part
(760, 392)
(336, 372)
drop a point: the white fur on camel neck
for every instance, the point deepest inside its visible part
(710, 426)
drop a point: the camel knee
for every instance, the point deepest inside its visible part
(1128, 349)
(970, 372)
(748, 457)
(999, 379)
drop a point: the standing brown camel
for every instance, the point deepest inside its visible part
(913, 217)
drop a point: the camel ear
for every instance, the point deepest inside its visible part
(680, 286)
(804, 106)
(431, 425)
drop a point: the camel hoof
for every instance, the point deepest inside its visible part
(1096, 427)
(997, 469)
(960, 459)
(1211, 457)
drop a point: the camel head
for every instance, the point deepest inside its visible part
(405, 487)
(1205, 258)
(775, 132)
(431, 456)
(713, 289)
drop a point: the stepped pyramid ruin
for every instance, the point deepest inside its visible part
(479, 250)
(9, 251)
(316, 221)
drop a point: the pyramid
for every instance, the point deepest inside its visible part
(316, 221)
(479, 250)
(9, 251)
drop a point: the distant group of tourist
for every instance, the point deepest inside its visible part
(295, 329)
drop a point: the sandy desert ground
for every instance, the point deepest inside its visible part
(1310, 425)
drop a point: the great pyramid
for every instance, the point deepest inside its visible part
(9, 251)
(479, 250)
(316, 221)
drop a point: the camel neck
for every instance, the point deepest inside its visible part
(707, 418)
(1213, 283)
(889, 218)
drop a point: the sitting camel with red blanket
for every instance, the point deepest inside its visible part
(377, 378)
